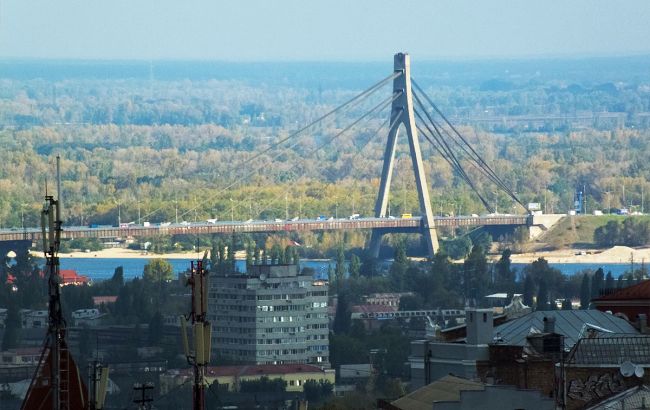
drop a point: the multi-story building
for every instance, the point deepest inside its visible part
(270, 315)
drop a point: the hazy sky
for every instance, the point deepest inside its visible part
(321, 30)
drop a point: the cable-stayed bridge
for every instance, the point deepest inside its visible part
(411, 110)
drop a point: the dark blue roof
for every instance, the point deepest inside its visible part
(567, 323)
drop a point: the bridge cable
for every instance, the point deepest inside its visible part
(363, 146)
(453, 161)
(379, 106)
(361, 96)
(441, 140)
(478, 157)
(376, 109)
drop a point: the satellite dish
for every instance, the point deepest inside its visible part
(262, 276)
(639, 371)
(627, 368)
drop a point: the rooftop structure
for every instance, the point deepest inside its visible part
(569, 323)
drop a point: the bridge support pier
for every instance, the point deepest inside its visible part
(402, 115)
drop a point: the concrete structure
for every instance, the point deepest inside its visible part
(431, 360)
(35, 319)
(87, 317)
(402, 114)
(270, 315)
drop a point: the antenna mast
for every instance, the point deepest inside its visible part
(199, 358)
(56, 383)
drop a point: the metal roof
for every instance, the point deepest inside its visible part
(568, 323)
(634, 398)
(614, 350)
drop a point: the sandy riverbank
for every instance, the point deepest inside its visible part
(617, 254)
(121, 253)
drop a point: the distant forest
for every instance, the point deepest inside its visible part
(162, 140)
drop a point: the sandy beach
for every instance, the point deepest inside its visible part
(121, 253)
(616, 254)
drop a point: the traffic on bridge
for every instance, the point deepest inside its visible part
(390, 224)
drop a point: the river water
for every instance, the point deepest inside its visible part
(100, 269)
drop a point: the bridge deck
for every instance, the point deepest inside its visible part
(387, 224)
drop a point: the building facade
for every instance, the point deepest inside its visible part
(270, 315)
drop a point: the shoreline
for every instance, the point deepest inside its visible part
(614, 255)
(610, 256)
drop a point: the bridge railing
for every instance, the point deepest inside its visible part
(395, 224)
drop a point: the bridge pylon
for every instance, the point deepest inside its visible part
(402, 114)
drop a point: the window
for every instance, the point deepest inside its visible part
(484, 317)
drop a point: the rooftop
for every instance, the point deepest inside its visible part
(568, 323)
(639, 291)
(447, 388)
(612, 350)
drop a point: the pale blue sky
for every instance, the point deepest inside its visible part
(345, 30)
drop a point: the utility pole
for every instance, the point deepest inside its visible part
(98, 383)
(642, 196)
(286, 206)
(139, 223)
(232, 210)
(584, 191)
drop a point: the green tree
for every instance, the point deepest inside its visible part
(398, 268)
(155, 330)
(475, 272)
(505, 276)
(343, 317)
(118, 278)
(609, 281)
(316, 391)
(158, 270)
(542, 296)
(249, 255)
(529, 289)
(585, 292)
(355, 266)
(597, 283)
(339, 270)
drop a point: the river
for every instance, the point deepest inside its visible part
(101, 269)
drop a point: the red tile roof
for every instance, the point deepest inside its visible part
(634, 292)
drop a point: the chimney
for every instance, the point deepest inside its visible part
(549, 324)
(643, 323)
(479, 325)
